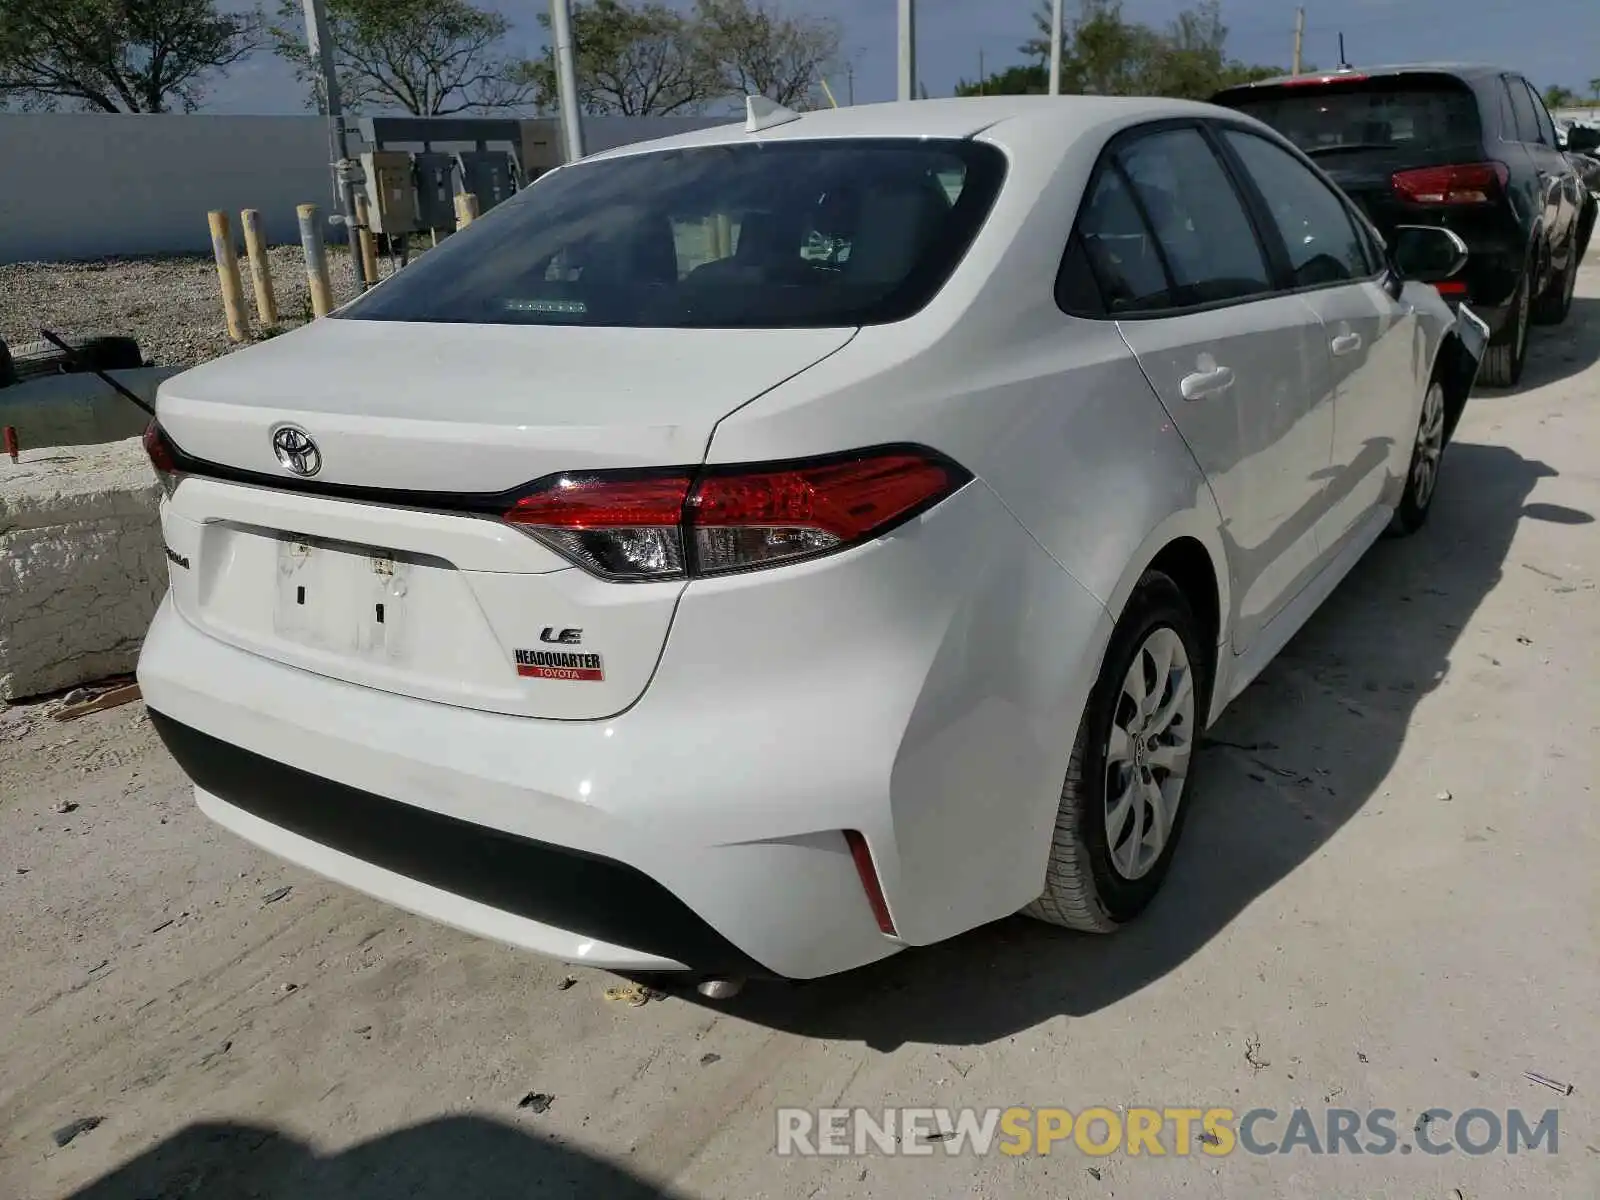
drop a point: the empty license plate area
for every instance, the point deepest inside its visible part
(365, 613)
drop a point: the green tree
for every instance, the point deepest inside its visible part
(637, 60)
(1103, 52)
(1031, 79)
(1556, 96)
(117, 55)
(1594, 88)
(429, 57)
(749, 48)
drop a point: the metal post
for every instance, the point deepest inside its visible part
(255, 245)
(316, 260)
(566, 78)
(1299, 36)
(1055, 47)
(228, 274)
(908, 50)
(321, 47)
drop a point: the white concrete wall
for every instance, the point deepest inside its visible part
(82, 565)
(97, 185)
(101, 185)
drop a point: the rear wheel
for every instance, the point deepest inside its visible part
(1552, 307)
(1427, 455)
(1505, 356)
(1122, 809)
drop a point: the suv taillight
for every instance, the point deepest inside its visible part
(1464, 183)
(163, 457)
(679, 523)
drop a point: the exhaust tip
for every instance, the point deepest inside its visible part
(720, 989)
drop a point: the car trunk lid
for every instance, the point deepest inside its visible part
(389, 566)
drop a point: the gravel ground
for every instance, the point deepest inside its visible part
(173, 305)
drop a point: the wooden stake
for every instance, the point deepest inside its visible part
(255, 245)
(228, 274)
(316, 253)
(369, 244)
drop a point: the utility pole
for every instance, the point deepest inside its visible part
(908, 50)
(1299, 36)
(566, 78)
(321, 47)
(1055, 47)
(981, 76)
(850, 80)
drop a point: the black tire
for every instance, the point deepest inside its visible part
(104, 352)
(1427, 458)
(1507, 353)
(1553, 305)
(1083, 888)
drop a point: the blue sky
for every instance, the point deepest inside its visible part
(1552, 41)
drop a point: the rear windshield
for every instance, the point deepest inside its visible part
(815, 233)
(1378, 114)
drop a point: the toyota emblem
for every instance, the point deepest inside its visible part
(296, 451)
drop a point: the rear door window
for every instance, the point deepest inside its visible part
(1121, 250)
(774, 235)
(1318, 232)
(1387, 113)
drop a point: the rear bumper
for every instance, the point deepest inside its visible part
(551, 897)
(922, 690)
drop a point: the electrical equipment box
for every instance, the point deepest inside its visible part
(391, 191)
(490, 175)
(436, 190)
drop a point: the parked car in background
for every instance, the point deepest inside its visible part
(770, 603)
(1469, 148)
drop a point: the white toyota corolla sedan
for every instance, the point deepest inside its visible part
(762, 550)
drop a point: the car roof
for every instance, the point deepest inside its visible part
(1463, 71)
(1017, 123)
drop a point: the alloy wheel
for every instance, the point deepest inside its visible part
(1430, 446)
(1147, 754)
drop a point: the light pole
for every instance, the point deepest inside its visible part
(566, 78)
(321, 47)
(908, 50)
(1055, 47)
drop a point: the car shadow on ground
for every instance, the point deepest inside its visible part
(1295, 757)
(1561, 351)
(452, 1158)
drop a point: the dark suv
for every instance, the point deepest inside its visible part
(1470, 148)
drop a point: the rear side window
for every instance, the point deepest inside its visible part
(1387, 113)
(1205, 238)
(1522, 110)
(774, 235)
(1323, 244)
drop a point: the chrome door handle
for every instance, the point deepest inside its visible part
(1206, 383)
(1345, 343)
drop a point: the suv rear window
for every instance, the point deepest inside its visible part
(787, 234)
(1387, 113)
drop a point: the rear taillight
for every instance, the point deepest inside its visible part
(676, 524)
(163, 457)
(1464, 183)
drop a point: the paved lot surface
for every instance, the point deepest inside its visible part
(1388, 897)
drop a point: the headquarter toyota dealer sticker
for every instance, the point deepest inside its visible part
(556, 664)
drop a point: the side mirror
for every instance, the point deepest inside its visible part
(1429, 253)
